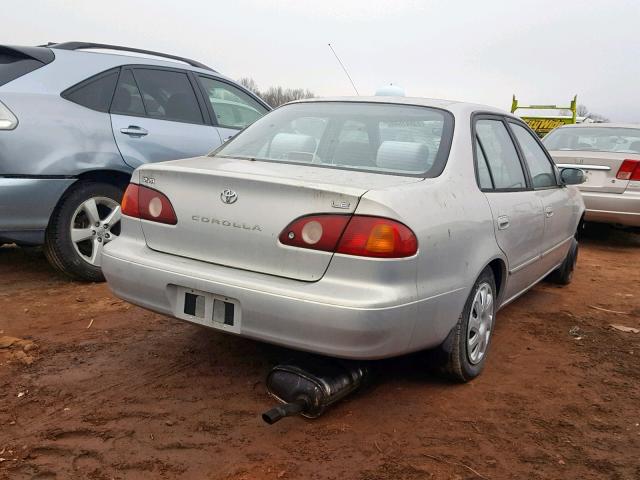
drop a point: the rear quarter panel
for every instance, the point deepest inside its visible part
(456, 240)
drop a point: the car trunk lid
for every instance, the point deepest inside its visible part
(231, 212)
(601, 168)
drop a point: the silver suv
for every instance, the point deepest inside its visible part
(75, 121)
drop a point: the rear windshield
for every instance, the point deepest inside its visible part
(14, 63)
(376, 137)
(597, 139)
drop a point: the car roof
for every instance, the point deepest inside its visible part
(125, 58)
(456, 107)
(603, 125)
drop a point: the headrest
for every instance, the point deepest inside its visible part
(283, 144)
(407, 156)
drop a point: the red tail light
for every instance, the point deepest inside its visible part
(148, 204)
(363, 236)
(629, 170)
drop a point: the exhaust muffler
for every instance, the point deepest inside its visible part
(309, 387)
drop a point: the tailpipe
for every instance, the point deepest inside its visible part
(309, 386)
(286, 410)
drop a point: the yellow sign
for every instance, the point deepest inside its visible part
(544, 125)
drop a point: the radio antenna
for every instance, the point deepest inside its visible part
(345, 69)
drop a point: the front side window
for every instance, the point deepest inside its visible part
(500, 154)
(168, 95)
(596, 139)
(95, 93)
(232, 107)
(542, 172)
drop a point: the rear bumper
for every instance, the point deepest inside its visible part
(618, 208)
(26, 205)
(331, 317)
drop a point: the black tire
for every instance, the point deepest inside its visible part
(58, 247)
(564, 273)
(452, 359)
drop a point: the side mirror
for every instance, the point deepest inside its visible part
(572, 176)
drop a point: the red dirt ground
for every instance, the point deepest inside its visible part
(140, 396)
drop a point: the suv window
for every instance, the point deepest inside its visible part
(168, 95)
(542, 172)
(232, 107)
(127, 99)
(95, 93)
(500, 154)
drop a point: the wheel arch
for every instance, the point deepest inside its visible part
(499, 268)
(117, 178)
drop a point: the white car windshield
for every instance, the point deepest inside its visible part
(376, 137)
(597, 139)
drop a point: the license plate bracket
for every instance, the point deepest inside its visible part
(208, 309)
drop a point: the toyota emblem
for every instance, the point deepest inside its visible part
(228, 196)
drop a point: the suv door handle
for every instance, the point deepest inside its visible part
(503, 222)
(548, 212)
(134, 131)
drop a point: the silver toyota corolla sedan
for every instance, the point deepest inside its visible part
(609, 154)
(359, 228)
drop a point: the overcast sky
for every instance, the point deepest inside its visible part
(481, 51)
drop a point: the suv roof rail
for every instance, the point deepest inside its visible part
(86, 45)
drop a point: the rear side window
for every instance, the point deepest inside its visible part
(542, 172)
(232, 107)
(500, 154)
(14, 63)
(127, 99)
(168, 95)
(95, 93)
(484, 176)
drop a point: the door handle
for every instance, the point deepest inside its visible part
(134, 131)
(503, 222)
(548, 212)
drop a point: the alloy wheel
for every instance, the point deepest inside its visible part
(94, 223)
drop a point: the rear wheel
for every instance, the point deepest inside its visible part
(564, 273)
(462, 356)
(87, 218)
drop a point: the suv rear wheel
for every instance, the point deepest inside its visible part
(87, 218)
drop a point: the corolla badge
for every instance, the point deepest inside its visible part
(228, 196)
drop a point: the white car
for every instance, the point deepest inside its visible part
(609, 154)
(354, 227)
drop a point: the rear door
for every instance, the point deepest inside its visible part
(156, 116)
(560, 211)
(231, 108)
(517, 210)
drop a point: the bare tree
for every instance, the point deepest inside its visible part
(276, 96)
(583, 111)
(249, 84)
